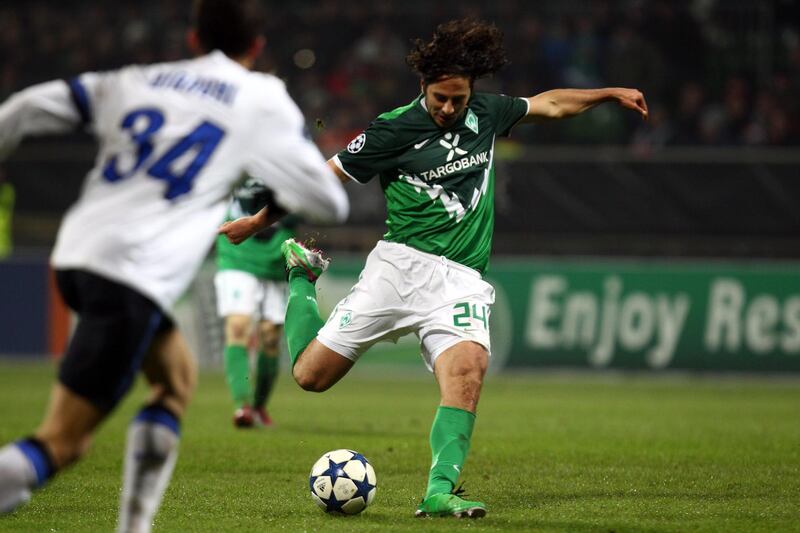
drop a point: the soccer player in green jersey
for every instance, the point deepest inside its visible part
(251, 284)
(435, 161)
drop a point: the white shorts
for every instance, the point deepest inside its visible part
(402, 290)
(242, 293)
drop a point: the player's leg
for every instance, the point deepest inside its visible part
(153, 435)
(62, 438)
(267, 365)
(455, 346)
(270, 332)
(315, 366)
(238, 294)
(115, 329)
(459, 371)
(238, 330)
(319, 368)
(374, 310)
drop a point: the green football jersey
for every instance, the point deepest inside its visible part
(438, 182)
(259, 255)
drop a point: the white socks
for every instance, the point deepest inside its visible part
(150, 455)
(23, 466)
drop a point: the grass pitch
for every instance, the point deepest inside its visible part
(551, 452)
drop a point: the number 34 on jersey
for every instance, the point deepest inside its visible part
(142, 125)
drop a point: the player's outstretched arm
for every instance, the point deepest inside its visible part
(37, 110)
(563, 103)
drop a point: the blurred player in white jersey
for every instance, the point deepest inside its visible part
(174, 139)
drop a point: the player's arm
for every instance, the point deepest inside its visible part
(563, 103)
(38, 110)
(340, 173)
(239, 230)
(290, 166)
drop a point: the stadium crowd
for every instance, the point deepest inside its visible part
(715, 73)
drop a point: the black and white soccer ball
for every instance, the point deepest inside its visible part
(343, 481)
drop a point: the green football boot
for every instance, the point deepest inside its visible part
(309, 259)
(450, 505)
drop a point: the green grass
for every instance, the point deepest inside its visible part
(550, 453)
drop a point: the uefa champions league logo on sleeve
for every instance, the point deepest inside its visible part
(357, 144)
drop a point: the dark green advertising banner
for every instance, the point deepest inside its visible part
(650, 315)
(619, 314)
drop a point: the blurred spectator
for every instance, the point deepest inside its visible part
(688, 114)
(719, 73)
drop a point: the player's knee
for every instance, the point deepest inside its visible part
(184, 383)
(309, 380)
(461, 376)
(471, 365)
(237, 329)
(176, 389)
(270, 337)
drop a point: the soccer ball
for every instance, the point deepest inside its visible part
(343, 481)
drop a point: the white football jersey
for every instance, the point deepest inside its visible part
(174, 139)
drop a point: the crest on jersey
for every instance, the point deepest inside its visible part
(345, 320)
(471, 121)
(357, 144)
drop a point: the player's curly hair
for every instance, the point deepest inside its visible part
(463, 47)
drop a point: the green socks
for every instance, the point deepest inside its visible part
(302, 315)
(266, 372)
(237, 373)
(450, 438)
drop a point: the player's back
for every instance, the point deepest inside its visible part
(173, 140)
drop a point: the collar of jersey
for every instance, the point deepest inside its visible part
(421, 100)
(220, 56)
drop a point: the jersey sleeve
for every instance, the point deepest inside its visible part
(373, 151)
(57, 106)
(38, 110)
(286, 161)
(507, 111)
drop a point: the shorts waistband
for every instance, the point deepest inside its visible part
(431, 257)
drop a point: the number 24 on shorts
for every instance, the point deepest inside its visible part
(466, 311)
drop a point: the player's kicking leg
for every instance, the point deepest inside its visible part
(315, 367)
(459, 371)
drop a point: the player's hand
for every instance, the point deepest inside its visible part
(239, 230)
(632, 99)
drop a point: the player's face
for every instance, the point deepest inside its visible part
(446, 99)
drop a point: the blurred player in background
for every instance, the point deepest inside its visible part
(174, 139)
(251, 285)
(435, 159)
